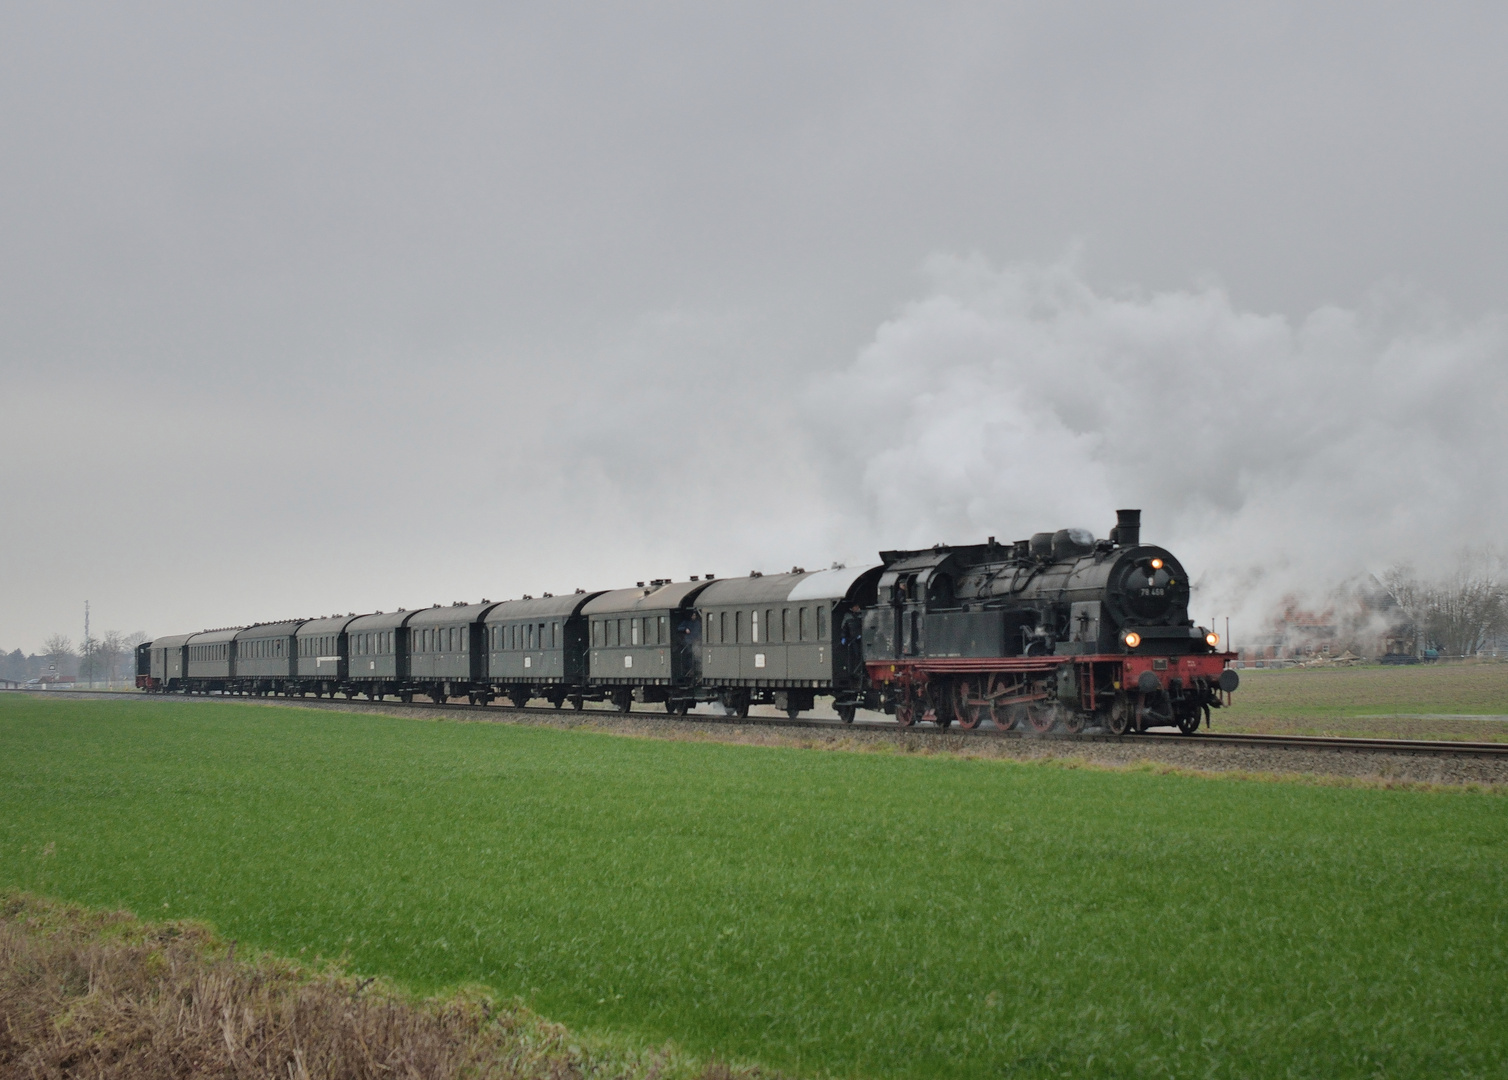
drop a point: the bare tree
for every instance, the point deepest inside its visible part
(59, 653)
(128, 645)
(109, 648)
(1460, 612)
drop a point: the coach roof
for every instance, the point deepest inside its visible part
(280, 629)
(769, 589)
(446, 616)
(172, 642)
(543, 607)
(379, 621)
(332, 625)
(671, 594)
(214, 637)
(831, 584)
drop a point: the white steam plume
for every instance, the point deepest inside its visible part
(1272, 456)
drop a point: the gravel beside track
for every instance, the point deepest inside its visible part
(1345, 759)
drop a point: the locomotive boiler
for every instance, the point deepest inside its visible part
(1058, 630)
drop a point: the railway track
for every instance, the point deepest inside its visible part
(1329, 743)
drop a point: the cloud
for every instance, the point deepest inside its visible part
(1270, 453)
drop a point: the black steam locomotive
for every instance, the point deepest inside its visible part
(1059, 630)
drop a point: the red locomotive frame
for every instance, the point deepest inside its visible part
(1114, 689)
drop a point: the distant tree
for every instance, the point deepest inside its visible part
(1458, 613)
(59, 653)
(109, 649)
(129, 643)
(13, 666)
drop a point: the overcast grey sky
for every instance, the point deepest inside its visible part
(314, 308)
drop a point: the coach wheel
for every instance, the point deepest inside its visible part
(623, 700)
(738, 703)
(846, 713)
(683, 707)
(578, 702)
(1041, 716)
(406, 697)
(519, 698)
(972, 709)
(557, 701)
(438, 696)
(793, 711)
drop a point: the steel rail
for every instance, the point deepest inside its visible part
(1333, 743)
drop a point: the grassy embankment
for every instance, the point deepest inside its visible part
(853, 914)
(1391, 702)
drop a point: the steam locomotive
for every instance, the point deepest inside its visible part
(1061, 630)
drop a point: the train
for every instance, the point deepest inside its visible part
(1061, 631)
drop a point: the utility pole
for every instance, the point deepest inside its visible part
(88, 646)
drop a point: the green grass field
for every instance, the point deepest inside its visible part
(822, 913)
(1373, 700)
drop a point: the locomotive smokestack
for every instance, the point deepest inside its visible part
(1127, 528)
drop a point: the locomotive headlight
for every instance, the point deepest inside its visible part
(1212, 640)
(1156, 564)
(1132, 639)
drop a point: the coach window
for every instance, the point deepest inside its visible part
(554, 635)
(722, 627)
(769, 622)
(663, 624)
(754, 627)
(635, 629)
(801, 624)
(597, 633)
(738, 626)
(821, 622)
